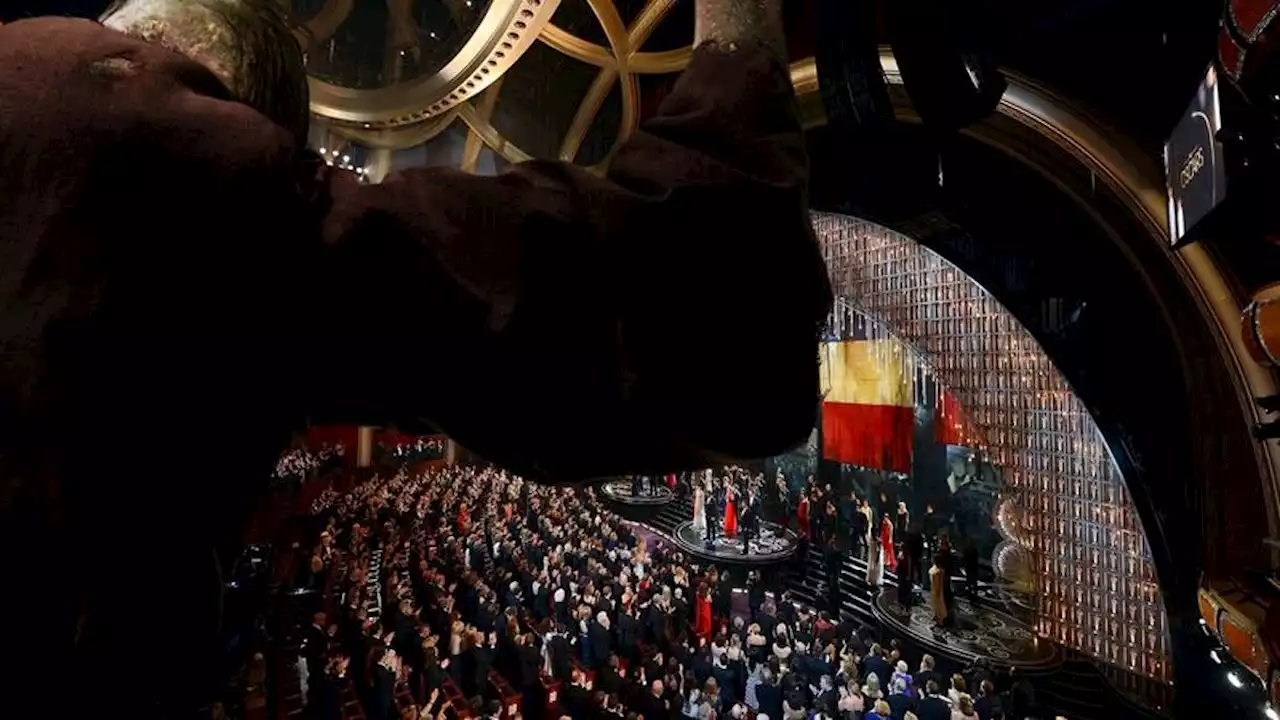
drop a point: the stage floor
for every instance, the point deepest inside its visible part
(619, 491)
(775, 544)
(979, 631)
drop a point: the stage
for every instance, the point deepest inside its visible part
(774, 544)
(978, 631)
(619, 491)
(617, 496)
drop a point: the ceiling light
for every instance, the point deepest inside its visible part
(1271, 713)
(1234, 679)
(1214, 654)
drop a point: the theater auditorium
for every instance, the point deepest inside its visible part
(1044, 477)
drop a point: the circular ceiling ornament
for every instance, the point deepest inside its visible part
(378, 64)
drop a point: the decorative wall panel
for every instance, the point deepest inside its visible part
(1068, 517)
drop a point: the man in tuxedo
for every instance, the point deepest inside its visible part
(749, 519)
(577, 696)
(933, 705)
(561, 654)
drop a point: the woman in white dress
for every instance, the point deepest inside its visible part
(875, 568)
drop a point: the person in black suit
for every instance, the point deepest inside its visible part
(933, 706)
(988, 704)
(561, 654)
(749, 516)
(482, 660)
(577, 696)
(769, 695)
(874, 662)
(628, 635)
(928, 673)
(601, 639)
(899, 701)
(531, 699)
(914, 550)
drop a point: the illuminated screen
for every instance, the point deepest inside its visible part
(1195, 174)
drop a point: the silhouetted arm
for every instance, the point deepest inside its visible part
(570, 325)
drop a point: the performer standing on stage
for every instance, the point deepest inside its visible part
(875, 568)
(709, 518)
(888, 556)
(868, 524)
(730, 511)
(900, 529)
(802, 515)
(937, 595)
(699, 507)
(750, 519)
(784, 499)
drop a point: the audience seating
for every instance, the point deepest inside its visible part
(507, 695)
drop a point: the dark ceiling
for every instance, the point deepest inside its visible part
(1137, 62)
(1134, 62)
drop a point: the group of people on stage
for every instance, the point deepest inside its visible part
(917, 549)
(650, 486)
(727, 504)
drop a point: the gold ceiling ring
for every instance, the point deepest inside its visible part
(507, 29)
(489, 134)
(644, 63)
(471, 148)
(635, 38)
(398, 137)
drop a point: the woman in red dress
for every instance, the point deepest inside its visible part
(702, 614)
(464, 520)
(802, 516)
(890, 558)
(730, 513)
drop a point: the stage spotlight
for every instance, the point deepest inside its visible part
(951, 77)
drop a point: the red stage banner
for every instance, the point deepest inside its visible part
(949, 425)
(868, 409)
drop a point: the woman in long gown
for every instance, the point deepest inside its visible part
(802, 516)
(699, 509)
(875, 569)
(702, 614)
(936, 596)
(730, 512)
(887, 556)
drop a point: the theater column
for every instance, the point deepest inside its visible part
(450, 451)
(364, 446)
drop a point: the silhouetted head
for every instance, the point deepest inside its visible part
(247, 44)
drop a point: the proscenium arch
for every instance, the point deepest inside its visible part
(1210, 516)
(1138, 185)
(1095, 583)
